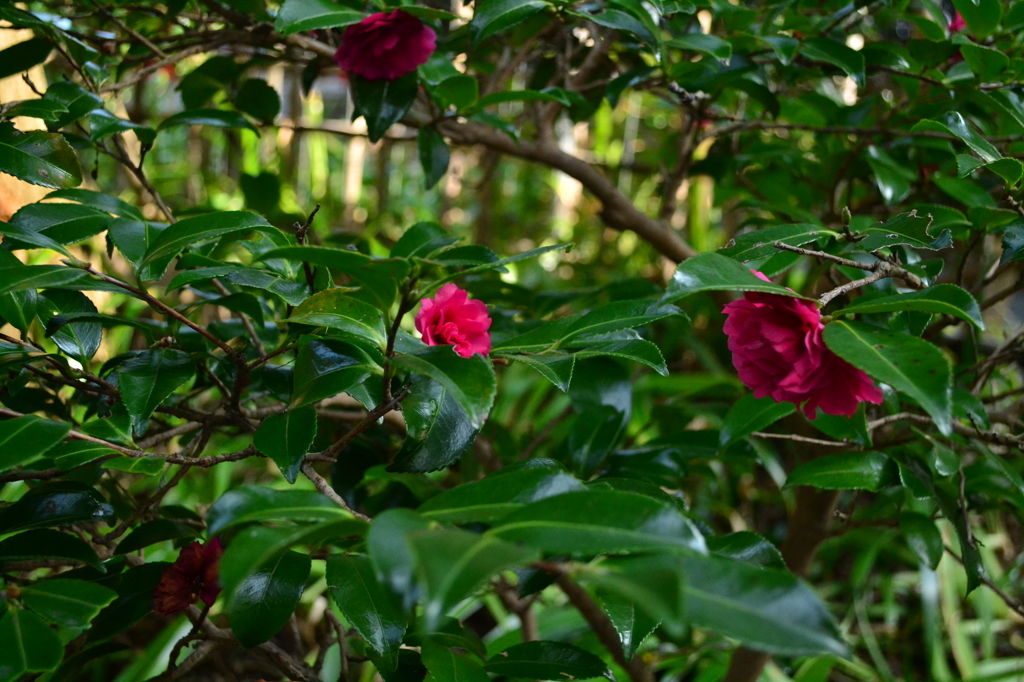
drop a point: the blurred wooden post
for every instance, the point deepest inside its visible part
(13, 192)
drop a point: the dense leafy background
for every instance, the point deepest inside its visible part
(189, 350)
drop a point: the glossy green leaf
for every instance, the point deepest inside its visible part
(625, 21)
(150, 377)
(134, 600)
(654, 584)
(845, 471)
(264, 601)
(494, 265)
(27, 438)
(761, 243)
(286, 438)
(941, 299)
(327, 368)
(337, 309)
(71, 603)
(46, 544)
(382, 102)
(594, 434)
(64, 223)
(309, 15)
(254, 504)
(1013, 242)
(715, 272)
(547, 661)
(470, 381)
(985, 62)
(555, 367)
(923, 538)
(907, 228)
(20, 238)
(750, 414)
(494, 16)
(632, 623)
(391, 553)
(217, 118)
(747, 546)
(956, 125)
(152, 532)
(982, 16)
(58, 503)
(203, 228)
(79, 339)
(765, 609)
(906, 363)
(29, 645)
(373, 609)
(500, 493)
(259, 99)
(893, 179)
(702, 42)
(837, 54)
(23, 277)
(445, 665)
(103, 124)
(378, 278)
(38, 158)
(451, 564)
(45, 110)
(23, 56)
(77, 100)
(438, 429)
(422, 240)
(434, 155)
(590, 522)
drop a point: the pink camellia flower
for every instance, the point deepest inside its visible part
(194, 575)
(958, 24)
(385, 46)
(778, 350)
(450, 318)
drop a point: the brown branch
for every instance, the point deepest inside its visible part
(327, 491)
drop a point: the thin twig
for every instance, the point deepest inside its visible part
(325, 489)
(803, 439)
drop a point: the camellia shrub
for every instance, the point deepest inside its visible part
(660, 340)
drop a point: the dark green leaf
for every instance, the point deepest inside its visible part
(494, 16)
(460, 91)
(370, 607)
(469, 381)
(765, 609)
(103, 124)
(75, 99)
(906, 363)
(596, 521)
(27, 438)
(715, 272)
(391, 553)
(258, 99)
(29, 645)
(286, 438)
(1013, 242)
(444, 665)
(555, 367)
(23, 56)
(906, 228)
(500, 493)
(750, 414)
(38, 158)
(494, 265)
(59, 503)
(309, 15)
(262, 604)
(252, 503)
(218, 118)
(134, 600)
(844, 471)
(327, 368)
(837, 54)
(80, 339)
(451, 564)
(201, 229)
(438, 430)
(150, 377)
(654, 584)
(703, 42)
(36, 277)
(152, 532)
(760, 243)
(382, 102)
(37, 108)
(923, 538)
(749, 547)
(338, 309)
(632, 623)
(434, 154)
(47, 544)
(982, 16)
(547, 661)
(956, 125)
(71, 603)
(941, 299)
(985, 62)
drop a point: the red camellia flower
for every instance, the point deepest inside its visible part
(385, 46)
(778, 350)
(450, 318)
(193, 576)
(958, 24)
